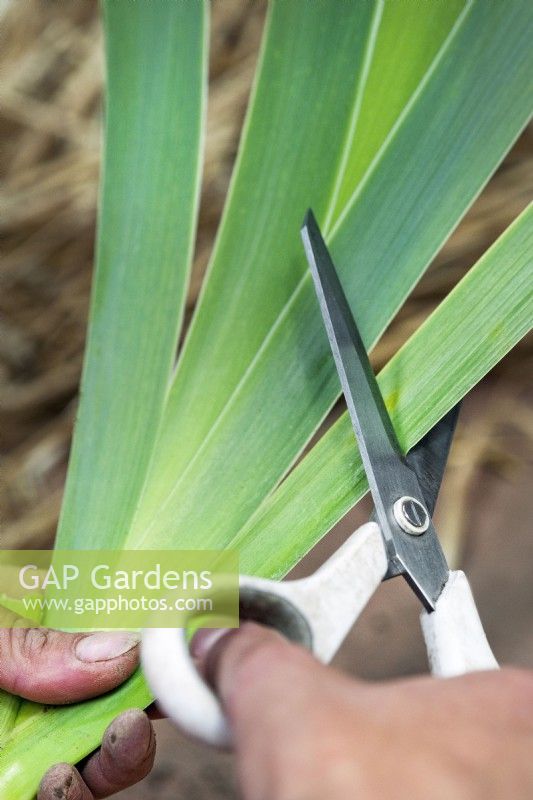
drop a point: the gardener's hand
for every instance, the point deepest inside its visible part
(306, 732)
(125, 757)
(52, 667)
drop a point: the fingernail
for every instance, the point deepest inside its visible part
(105, 646)
(204, 639)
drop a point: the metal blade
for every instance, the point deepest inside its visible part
(428, 458)
(398, 497)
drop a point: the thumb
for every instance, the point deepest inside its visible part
(48, 666)
(275, 696)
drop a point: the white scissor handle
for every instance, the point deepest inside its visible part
(317, 612)
(455, 639)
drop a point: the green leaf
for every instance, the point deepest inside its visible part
(258, 262)
(64, 734)
(487, 313)
(309, 77)
(9, 705)
(156, 86)
(454, 131)
(408, 39)
(156, 78)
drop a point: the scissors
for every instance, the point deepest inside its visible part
(318, 611)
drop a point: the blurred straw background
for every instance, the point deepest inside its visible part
(51, 106)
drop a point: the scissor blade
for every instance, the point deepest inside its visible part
(419, 558)
(428, 458)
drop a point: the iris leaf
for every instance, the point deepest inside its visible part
(456, 128)
(156, 81)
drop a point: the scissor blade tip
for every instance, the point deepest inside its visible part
(309, 221)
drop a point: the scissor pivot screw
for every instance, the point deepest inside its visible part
(411, 515)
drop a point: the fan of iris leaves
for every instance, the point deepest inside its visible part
(388, 119)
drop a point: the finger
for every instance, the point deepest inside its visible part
(125, 757)
(48, 666)
(277, 698)
(252, 668)
(63, 782)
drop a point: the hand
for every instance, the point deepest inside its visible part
(52, 667)
(125, 757)
(306, 732)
